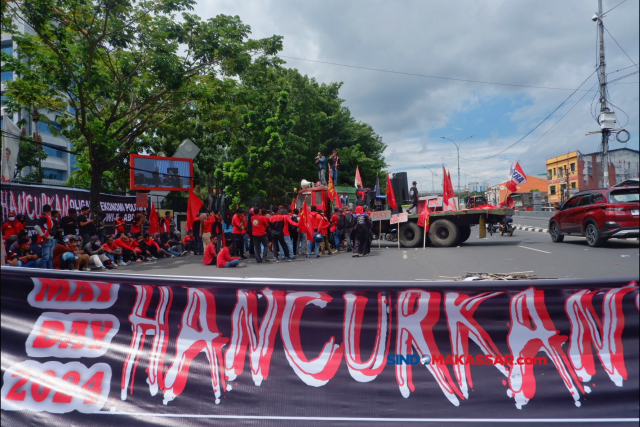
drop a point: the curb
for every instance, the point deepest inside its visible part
(527, 228)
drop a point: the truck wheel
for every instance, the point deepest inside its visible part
(443, 233)
(410, 234)
(465, 233)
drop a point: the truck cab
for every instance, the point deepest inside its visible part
(314, 196)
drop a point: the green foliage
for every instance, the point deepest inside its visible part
(28, 157)
(124, 68)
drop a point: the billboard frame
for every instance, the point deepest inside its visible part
(133, 169)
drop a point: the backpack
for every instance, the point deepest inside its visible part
(293, 230)
(348, 220)
(341, 222)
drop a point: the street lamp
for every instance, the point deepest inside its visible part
(458, 148)
(432, 175)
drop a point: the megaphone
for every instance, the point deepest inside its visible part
(305, 184)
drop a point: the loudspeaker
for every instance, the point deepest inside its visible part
(400, 188)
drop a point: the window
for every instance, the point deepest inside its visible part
(8, 49)
(597, 198)
(585, 200)
(44, 127)
(72, 160)
(52, 152)
(573, 168)
(552, 190)
(549, 174)
(54, 174)
(6, 75)
(554, 172)
(573, 185)
(563, 187)
(624, 196)
(572, 203)
(560, 172)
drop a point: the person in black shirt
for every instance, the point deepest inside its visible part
(25, 256)
(413, 195)
(56, 231)
(87, 228)
(334, 163)
(69, 223)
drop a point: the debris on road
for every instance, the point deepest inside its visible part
(518, 275)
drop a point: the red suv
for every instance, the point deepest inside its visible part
(598, 215)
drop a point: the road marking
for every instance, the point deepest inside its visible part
(532, 249)
(404, 254)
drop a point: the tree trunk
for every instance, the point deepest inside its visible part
(96, 188)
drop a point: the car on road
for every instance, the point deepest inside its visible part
(598, 215)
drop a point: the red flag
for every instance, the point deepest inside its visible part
(331, 189)
(358, 183)
(511, 186)
(445, 190)
(391, 198)
(303, 223)
(423, 219)
(193, 209)
(452, 192)
(153, 220)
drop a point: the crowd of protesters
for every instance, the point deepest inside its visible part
(79, 241)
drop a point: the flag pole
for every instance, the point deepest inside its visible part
(424, 241)
(380, 235)
(399, 235)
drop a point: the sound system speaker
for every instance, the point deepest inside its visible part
(400, 187)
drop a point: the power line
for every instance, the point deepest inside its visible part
(623, 51)
(612, 72)
(424, 75)
(614, 7)
(538, 125)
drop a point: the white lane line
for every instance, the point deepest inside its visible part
(532, 249)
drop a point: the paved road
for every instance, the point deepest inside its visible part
(525, 251)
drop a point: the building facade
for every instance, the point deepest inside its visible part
(572, 172)
(476, 187)
(59, 163)
(498, 193)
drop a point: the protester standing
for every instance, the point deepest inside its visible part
(43, 229)
(321, 163)
(238, 224)
(413, 195)
(334, 162)
(362, 228)
(259, 224)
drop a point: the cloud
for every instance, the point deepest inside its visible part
(535, 43)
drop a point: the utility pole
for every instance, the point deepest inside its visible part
(458, 149)
(605, 115)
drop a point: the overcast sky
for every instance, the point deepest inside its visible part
(533, 43)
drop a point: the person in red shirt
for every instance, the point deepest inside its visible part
(113, 251)
(11, 227)
(289, 227)
(189, 241)
(259, 224)
(323, 228)
(238, 223)
(225, 260)
(278, 224)
(210, 254)
(120, 224)
(129, 254)
(335, 229)
(136, 224)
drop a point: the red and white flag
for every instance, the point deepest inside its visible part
(448, 194)
(358, 183)
(516, 177)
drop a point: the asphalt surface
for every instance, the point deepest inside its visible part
(531, 252)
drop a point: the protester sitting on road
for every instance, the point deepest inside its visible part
(225, 260)
(11, 227)
(96, 254)
(128, 251)
(83, 258)
(150, 244)
(113, 251)
(163, 251)
(210, 253)
(64, 256)
(24, 255)
(14, 244)
(189, 242)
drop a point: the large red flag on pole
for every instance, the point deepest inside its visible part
(445, 190)
(391, 198)
(358, 183)
(333, 194)
(452, 193)
(153, 220)
(193, 209)
(303, 223)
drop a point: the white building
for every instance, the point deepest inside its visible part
(477, 186)
(59, 164)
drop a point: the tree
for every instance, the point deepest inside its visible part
(113, 69)
(28, 157)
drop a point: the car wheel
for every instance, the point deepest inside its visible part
(556, 236)
(593, 235)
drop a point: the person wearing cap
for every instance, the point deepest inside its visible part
(62, 261)
(413, 195)
(321, 163)
(24, 255)
(334, 162)
(239, 225)
(43, 229)
(11, 227)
